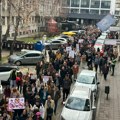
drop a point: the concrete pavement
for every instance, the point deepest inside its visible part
(110, 109)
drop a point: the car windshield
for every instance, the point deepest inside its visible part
(21, 53)
(86, 79)
(79, 104)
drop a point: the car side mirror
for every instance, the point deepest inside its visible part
(93, 108)
(98, 83)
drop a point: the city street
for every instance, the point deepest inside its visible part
(106, 109)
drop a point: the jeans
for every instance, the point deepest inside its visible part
(105, 76)
(56, 102)
(12, 83)
(113, 68)
(49, 117)
(65, 93)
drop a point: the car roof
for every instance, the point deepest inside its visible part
(56, 40)
(88, 73)
(31, 51)
(80, 92)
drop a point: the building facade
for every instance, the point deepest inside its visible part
(89, 11)
(117, 8)
(33, 15)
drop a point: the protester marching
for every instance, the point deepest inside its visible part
(36, 97)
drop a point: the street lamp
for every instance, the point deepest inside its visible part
(0, 30)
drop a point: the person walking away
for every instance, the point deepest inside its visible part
(38, 68)
(101, 64)
(66, 87)
(113, 62)
(57, 96)
(96, 62)
(75, 70)
(49, 108)
(78, 58)
(19, 81)
(13, 78)
(105, 71)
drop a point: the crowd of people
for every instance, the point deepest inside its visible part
(54, 78)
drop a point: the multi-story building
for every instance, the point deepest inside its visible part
(117, 8)
(89, 11)
(32, 12)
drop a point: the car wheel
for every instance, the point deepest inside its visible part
(18, 63)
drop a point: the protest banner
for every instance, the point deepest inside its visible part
(106, 22)
(16, 103)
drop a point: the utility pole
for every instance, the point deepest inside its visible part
(0, 31)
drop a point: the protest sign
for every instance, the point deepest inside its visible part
(72, 54)
(16, 103)
(80, 41)
(77, 47)
(46, 78)
(68, 49)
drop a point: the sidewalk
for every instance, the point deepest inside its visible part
(110, 109)
(5, 53)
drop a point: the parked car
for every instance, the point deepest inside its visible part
(5, 72)
(88, 78)
(26, 57)
(54, 44)
(79, 105)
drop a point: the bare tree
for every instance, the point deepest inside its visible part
(22, 10)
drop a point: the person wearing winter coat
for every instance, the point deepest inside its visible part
(75, 69)
(105, 71)
(49, 109)
(66, 87)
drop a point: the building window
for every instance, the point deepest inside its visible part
(13, 34)
(94, 11)
(13, 20)
(117, 5)
(117, 12)
(95, 3)
(20, 33)
(75, 3)
(85, 3)
(84, 11)
(3, 20)
(105, 12)
(74, 10)
(105, 4)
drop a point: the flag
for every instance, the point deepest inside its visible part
(106, 22)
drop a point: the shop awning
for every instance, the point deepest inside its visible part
(112, 42)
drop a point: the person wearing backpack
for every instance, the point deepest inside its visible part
(66, 87)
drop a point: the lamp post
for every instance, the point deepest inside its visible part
(0, 31)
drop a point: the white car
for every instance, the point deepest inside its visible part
(79, 105)
(5, 72)
(26, 57)
(88, 78)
